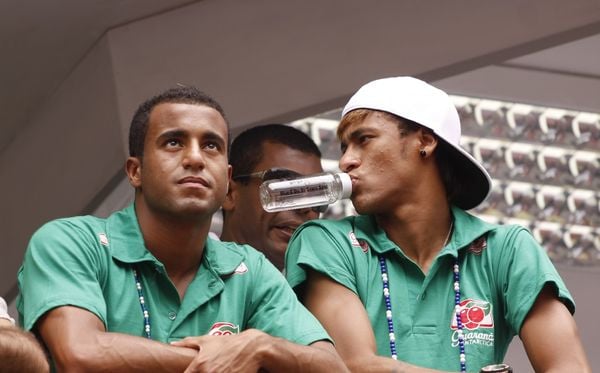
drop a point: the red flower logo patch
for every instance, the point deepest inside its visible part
(476, 247)
(364, 245)
(224, 328)
(474, 314)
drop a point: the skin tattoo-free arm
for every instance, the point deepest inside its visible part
(352, 333)
(78, 342)
(551, 338)
(255, 350)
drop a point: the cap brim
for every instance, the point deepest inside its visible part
(476, 182)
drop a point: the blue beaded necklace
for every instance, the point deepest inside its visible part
(388, 308)
(138, 286)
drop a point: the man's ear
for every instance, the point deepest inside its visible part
(427, 141)
(133, 168)
(232, 195)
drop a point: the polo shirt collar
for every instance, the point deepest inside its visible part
(221, 258)
(465, 230)
(126, 244)
(366, 229)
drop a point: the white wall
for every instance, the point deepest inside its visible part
(60, 161)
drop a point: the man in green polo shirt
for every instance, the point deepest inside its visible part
(130, 292)
(414, 282)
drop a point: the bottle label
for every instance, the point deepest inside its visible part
(280, 195)
(302, 190)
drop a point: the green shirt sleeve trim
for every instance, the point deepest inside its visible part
(525, 307)
(312, 337)
(335, 275)
(53, 303)
(322, 246)
(522, 269)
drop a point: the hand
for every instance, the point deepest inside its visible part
(225, 353)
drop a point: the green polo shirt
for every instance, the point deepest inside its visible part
(88, 262)
(499, 284)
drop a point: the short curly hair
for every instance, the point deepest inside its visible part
(178, 95)
(247, 147)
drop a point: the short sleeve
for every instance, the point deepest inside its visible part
(61, 267)
(276, 310)
(524, 270)
(316, 247)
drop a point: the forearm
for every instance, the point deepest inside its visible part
(280, 355)
(355, 340)
(375, 364)
(114, 352)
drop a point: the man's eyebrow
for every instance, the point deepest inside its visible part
(179, 133)
(172, 133)
(210, 135)
(353, 134)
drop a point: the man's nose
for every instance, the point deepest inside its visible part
(349, 161)
(193, 157)
(308, 213)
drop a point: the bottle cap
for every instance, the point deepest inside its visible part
(346, 184)
(497, 368)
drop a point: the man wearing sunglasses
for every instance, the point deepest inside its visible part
(267, 152)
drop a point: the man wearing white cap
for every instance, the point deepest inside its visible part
(414, 281)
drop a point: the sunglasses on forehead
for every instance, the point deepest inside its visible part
(277, 174)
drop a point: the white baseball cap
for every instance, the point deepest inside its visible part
(422, 103)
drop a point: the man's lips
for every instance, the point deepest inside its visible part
(287, 227)
(194, 180)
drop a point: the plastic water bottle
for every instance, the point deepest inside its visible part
(306, 191)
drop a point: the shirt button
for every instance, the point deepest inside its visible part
(172, 315)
